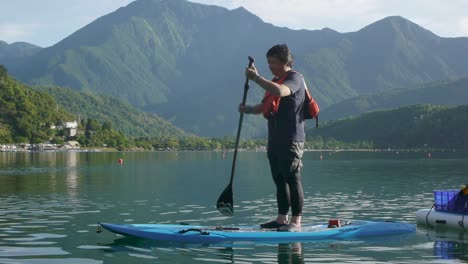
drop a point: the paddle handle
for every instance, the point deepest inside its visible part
(239, 127)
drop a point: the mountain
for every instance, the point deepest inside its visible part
(184, 61)
(15, 52)
(17, 49)
(447, 92)
(416, 126)
(123, 117)
(395, 52)
(26, 115)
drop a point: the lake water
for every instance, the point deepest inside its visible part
(50, 204)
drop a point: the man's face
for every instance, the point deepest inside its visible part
(275, 65)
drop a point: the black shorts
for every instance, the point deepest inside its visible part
(285, 160)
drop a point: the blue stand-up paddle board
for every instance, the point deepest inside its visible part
(206, 234)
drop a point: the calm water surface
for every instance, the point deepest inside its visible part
(50, 204)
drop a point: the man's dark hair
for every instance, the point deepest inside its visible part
(282, 53)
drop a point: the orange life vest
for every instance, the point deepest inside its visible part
(271, 103)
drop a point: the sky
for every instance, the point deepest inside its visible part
(46, 22)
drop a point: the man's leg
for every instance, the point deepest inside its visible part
(295, 184)
(291, 168)
(282, 192)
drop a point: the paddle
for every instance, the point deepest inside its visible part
(225, 203)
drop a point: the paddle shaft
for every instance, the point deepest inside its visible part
(239, 127)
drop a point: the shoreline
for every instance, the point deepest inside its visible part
(225, 150)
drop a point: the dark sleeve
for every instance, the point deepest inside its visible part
(293, 81)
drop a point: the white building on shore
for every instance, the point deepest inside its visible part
(71, 127)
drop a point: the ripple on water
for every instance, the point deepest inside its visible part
(215, 260)
(26, 212)
(167, 213)
(93, 247)
(36, 243)
(14, 232)
(48, 222)
(142, 256)
(51, 261)
(31, 251)
(34, 237)
(28, 226)
(139, 249)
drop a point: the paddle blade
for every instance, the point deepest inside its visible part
(225, 204)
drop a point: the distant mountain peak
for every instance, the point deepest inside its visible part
(329, 30)
(17, 49)
(401, 22)
(398, 24)
(398, 19)
(25, 45)
(19, 44)
(244, 13)
(241, 9)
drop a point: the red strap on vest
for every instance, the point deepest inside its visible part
(270, 101)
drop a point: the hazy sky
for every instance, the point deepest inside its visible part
(46, 22)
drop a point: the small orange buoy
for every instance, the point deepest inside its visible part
(120, 161)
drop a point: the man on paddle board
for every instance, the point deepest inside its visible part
(282, 106)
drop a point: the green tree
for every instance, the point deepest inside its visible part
(5, 137)
(57, 140)
(107, 125)
(3, 71)
(93, 125)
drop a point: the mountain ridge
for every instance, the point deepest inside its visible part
(447, 92)
(415, 126)
(184, 61)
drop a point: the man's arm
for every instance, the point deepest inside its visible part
(251, 109)
(279, 90)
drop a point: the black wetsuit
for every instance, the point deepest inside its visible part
(286, 138)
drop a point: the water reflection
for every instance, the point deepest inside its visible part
(189, 253)
(447, 244)
(50, 204)
(290, 254)
(451, 250)
(72, 173)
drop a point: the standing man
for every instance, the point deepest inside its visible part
(282, 106)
